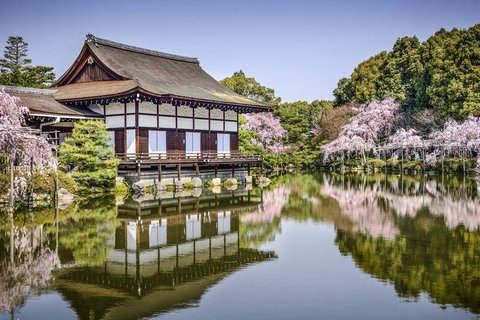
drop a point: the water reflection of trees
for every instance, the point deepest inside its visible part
(436, 245)
(27, 264)
(262, 224)
(88, 234)
(375, 202)
(420, 234)
(30, 250)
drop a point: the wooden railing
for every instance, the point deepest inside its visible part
(175, 157)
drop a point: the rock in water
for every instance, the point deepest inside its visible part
(197, 182)
(216, 182)
(65, 198)
(263, 182)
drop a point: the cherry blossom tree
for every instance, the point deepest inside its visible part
(457, 139)
(404, 140)
(365, 129)
(16, 142)
(271, 135)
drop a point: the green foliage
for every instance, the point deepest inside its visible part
(121, 190)
(442, 73)
(250, 88)
(244, 138)
(93, 227)
(87, 154)
(428, 257)
(45, 182)
(343, 92)
(365, 76)
(300, 119)
(413, 165)
(188, 186)
(15, 69)
(375, 164)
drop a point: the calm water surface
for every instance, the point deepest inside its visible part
(306, 247)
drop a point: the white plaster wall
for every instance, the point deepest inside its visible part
(201, 124)
(166, 109)
(115, 121)
(184, 111)
(131, 120)
(230, 115)
(201, 112)
(115, 108)
(230, 126)
(166, 122)
(185, 123)
(147, 121)
(148, 107)
(216, 114)
(131, 107)
(216, 125)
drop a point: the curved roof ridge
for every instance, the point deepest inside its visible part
(15, 89)
(95, 40)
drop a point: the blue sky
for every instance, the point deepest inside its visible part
(300, 48)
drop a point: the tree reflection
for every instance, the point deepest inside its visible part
(89, 233)
(29, 265)
(261, 225)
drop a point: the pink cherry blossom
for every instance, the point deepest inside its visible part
(272, 136)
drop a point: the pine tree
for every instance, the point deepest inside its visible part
(88, 155)
(15, 68)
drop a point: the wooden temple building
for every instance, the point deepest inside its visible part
(160, 109)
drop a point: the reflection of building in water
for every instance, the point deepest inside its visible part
(160, 245)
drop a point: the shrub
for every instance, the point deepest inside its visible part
(88, 155)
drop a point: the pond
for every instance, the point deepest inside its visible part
(306, 247)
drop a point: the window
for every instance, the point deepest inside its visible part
(223, 144)
(223, 222)
(131, 146)
(157, 233)
(192, 143)
(157, 143)
(193, 227)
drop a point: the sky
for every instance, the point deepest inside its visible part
(300, 48)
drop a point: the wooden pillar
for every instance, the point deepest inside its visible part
(210, 247)
(233, 171)
(197, 169)
(224, 245)
(216, 170)
(159, 173)
(179, 171)
(137, 130)
(248, 168)
(138, 171)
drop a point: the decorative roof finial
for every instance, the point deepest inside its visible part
(90, 37)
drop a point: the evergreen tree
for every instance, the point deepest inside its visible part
(15, 69)
(88, 155)
(250, 88)
(442, 74)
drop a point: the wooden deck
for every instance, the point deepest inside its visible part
(155, 159)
